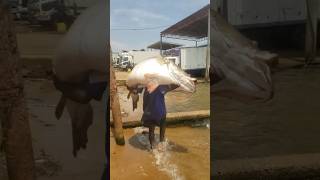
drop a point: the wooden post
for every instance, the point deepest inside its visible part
(17, 142)
(311, 30)
(115, 107)
(207, 77)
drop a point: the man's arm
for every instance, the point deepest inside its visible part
(167, 88)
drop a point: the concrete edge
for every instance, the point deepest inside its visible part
(36, 57)
(175, 118)
(272, 167)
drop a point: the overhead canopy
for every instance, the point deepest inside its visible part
(194, 26)
(165, 45)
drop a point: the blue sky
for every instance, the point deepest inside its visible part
(128, 14)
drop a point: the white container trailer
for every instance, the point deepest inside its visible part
(193, 59)
(138, 56)
(253, 13)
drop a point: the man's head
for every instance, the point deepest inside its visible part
(152, 84)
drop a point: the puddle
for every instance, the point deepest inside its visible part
(184, 155)
(288, 124)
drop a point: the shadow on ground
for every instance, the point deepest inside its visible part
(141, 141)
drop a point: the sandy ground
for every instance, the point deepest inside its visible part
(121, 75)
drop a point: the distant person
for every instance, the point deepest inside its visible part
(154, 108)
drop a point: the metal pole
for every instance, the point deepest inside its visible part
(196, 43)
(207, 77)
(161, 44)
(311, 30)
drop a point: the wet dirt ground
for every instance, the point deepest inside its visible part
(54, 136)
(188, 149)
(186, 156)
(287, 125)
(52, 140)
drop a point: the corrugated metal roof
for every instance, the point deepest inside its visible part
(194, 26)
(165, 45)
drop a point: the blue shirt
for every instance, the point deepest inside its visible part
(154, 107)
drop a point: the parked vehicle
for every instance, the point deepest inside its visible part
(18, 9)
(272, 23)
(126, 62)
(115, 59)
(49, 12)
(253, 13)
(174, 59)
(193, 60)
(128, 59)
(139, 56)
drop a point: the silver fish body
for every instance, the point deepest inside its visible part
(164, 72)
(238, 68)
(81, 60)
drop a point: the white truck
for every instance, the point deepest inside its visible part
(115, 59)
(18, 9)
(48, 12)
(138, 56)
(257, 13)
(129, 59)
(267, 21)
(193, 60)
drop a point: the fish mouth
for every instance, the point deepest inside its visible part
(257, 87)
(245, 97)
(182, 78)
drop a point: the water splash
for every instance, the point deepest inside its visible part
(162, 157)
(161, 154)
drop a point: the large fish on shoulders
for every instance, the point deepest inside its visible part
(165, 72)
(81, 70)
(238, 67)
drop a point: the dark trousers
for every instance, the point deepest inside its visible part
(162, 131)
(104, 175)
(106, 172)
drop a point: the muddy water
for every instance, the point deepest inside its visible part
(184, 155)
(53, 136)
(289, 124)
(175, 101)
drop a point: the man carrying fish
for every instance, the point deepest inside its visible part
(154, 108)
(156, 77)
